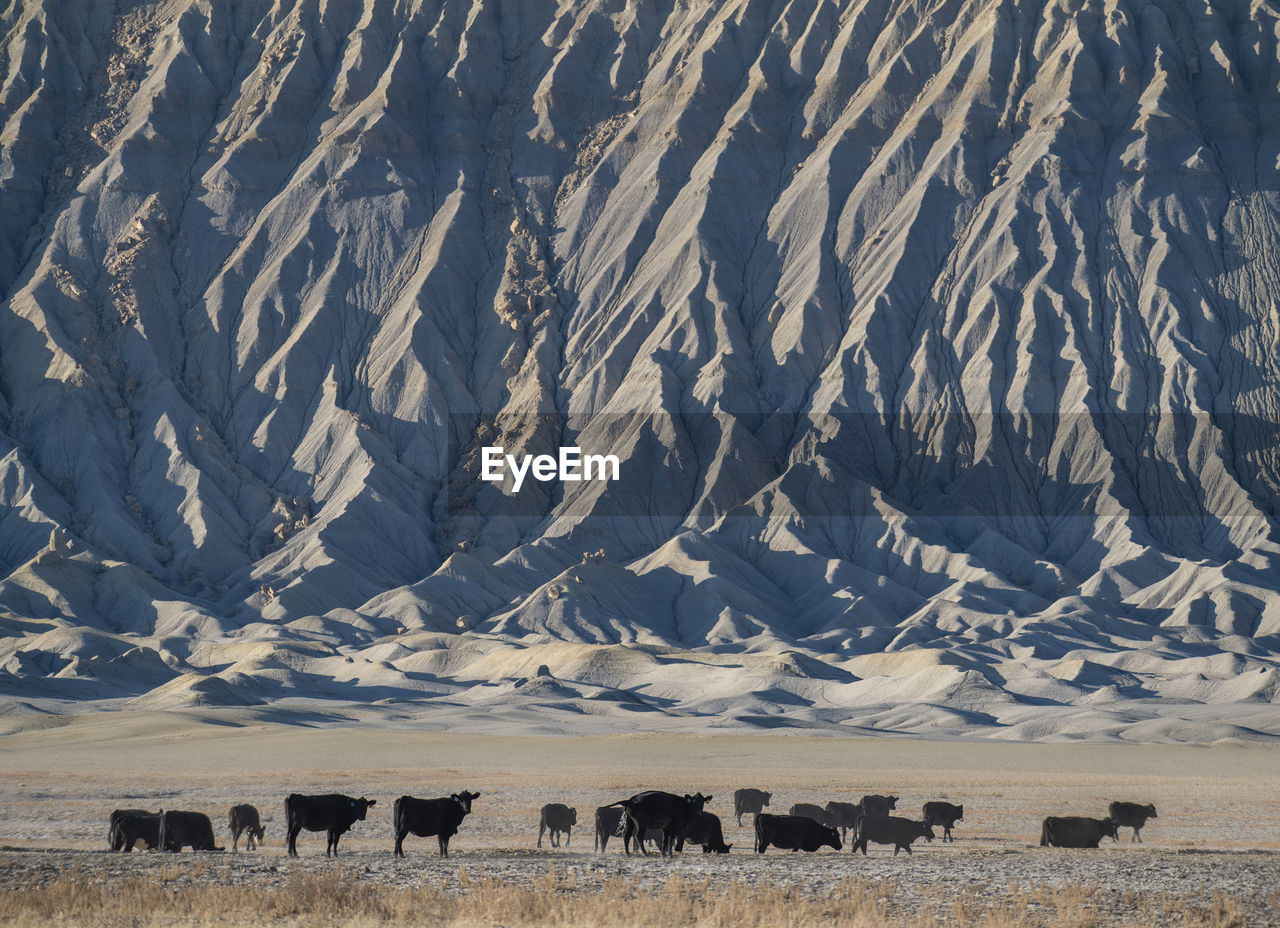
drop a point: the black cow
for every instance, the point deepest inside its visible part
(556, 818)
(609, 824)
(704, 828)
(878, 806)
(809, 810)
(332, 812)
(1075, 831)
(129, 826)
(843, 815)
(889, 829)
(608, 821)
(186, 829)
(793, 832)
(749, 800)
(658, 809)
(944, 814)
(244, 819)
(1130, 815)
(425, 817)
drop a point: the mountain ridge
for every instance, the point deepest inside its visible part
(917, 327)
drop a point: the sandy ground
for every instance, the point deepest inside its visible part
(1218, 829)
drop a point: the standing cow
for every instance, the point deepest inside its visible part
(127, 827)
(186, 829)
(1131, 815)
(878, 806)
(945, 814)
(244, 819)
(749, 800)
(889, 829)
(608, 820)
(1075, 831)
(658, 809)
(425, 817)
(556, 818)
(810, 810)
(843, 815)
(331, 812)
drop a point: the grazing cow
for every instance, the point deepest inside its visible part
(889, 829)
(186, 829)
(658, 809)
(794, 832)
(1075, 831)
(1130, 815)
(425, 817)
(843, 815)
(244, 819)
(557, 817)
(878, 806)
(809, 810)
(944, 814)
(129, 826)
(608, 821)
(704, 828)
(749, 800)
(330, 812)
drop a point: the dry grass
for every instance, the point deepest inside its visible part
(181, 897)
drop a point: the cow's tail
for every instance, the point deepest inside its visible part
(1046, 834)
(163, 847)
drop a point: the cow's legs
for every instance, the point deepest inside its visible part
(568, 833)
(443, 841)
(400, 842)
(628, 833)
(293, 840)
(542, 828)
(235, 839)
(1136, 836)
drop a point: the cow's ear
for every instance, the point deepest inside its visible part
(372, 802)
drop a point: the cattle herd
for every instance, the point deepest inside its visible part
(654, 817)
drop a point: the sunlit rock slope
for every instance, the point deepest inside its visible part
(937, 342)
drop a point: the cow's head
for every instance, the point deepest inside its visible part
(696, 801)
(464, 799)
(767, 797)
(361, 806)
(1110, 829)
(927, 831)
(830, 837)
(959, 813)
(892, 801)
(573, 816)
(1151, 812)
(258, 831)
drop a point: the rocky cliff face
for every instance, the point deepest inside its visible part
(936, 342)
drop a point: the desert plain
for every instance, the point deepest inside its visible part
(1212, 857)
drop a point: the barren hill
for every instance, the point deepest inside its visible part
(936, 342)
